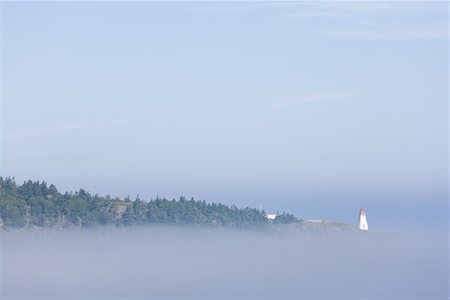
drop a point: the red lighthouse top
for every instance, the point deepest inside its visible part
(362, 212)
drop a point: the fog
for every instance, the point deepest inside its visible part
(155, 262)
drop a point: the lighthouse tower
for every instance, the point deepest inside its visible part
(362, 220)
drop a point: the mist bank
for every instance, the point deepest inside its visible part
(155, 262)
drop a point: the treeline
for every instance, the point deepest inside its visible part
(36, 203)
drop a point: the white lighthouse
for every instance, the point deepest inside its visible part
(363, 220)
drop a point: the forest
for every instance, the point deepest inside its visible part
(37, 204)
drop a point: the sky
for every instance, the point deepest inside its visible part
(314, 108)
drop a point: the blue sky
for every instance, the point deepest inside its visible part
(310, 107)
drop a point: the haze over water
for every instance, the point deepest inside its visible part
(154, 262)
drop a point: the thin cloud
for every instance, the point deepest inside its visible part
(376, 20)
(399, 7)
(432, 31)
(365, 20)
(351, 8)
(288, 101)
(333, 8)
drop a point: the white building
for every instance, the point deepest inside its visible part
(271, 216)
(363, 220)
